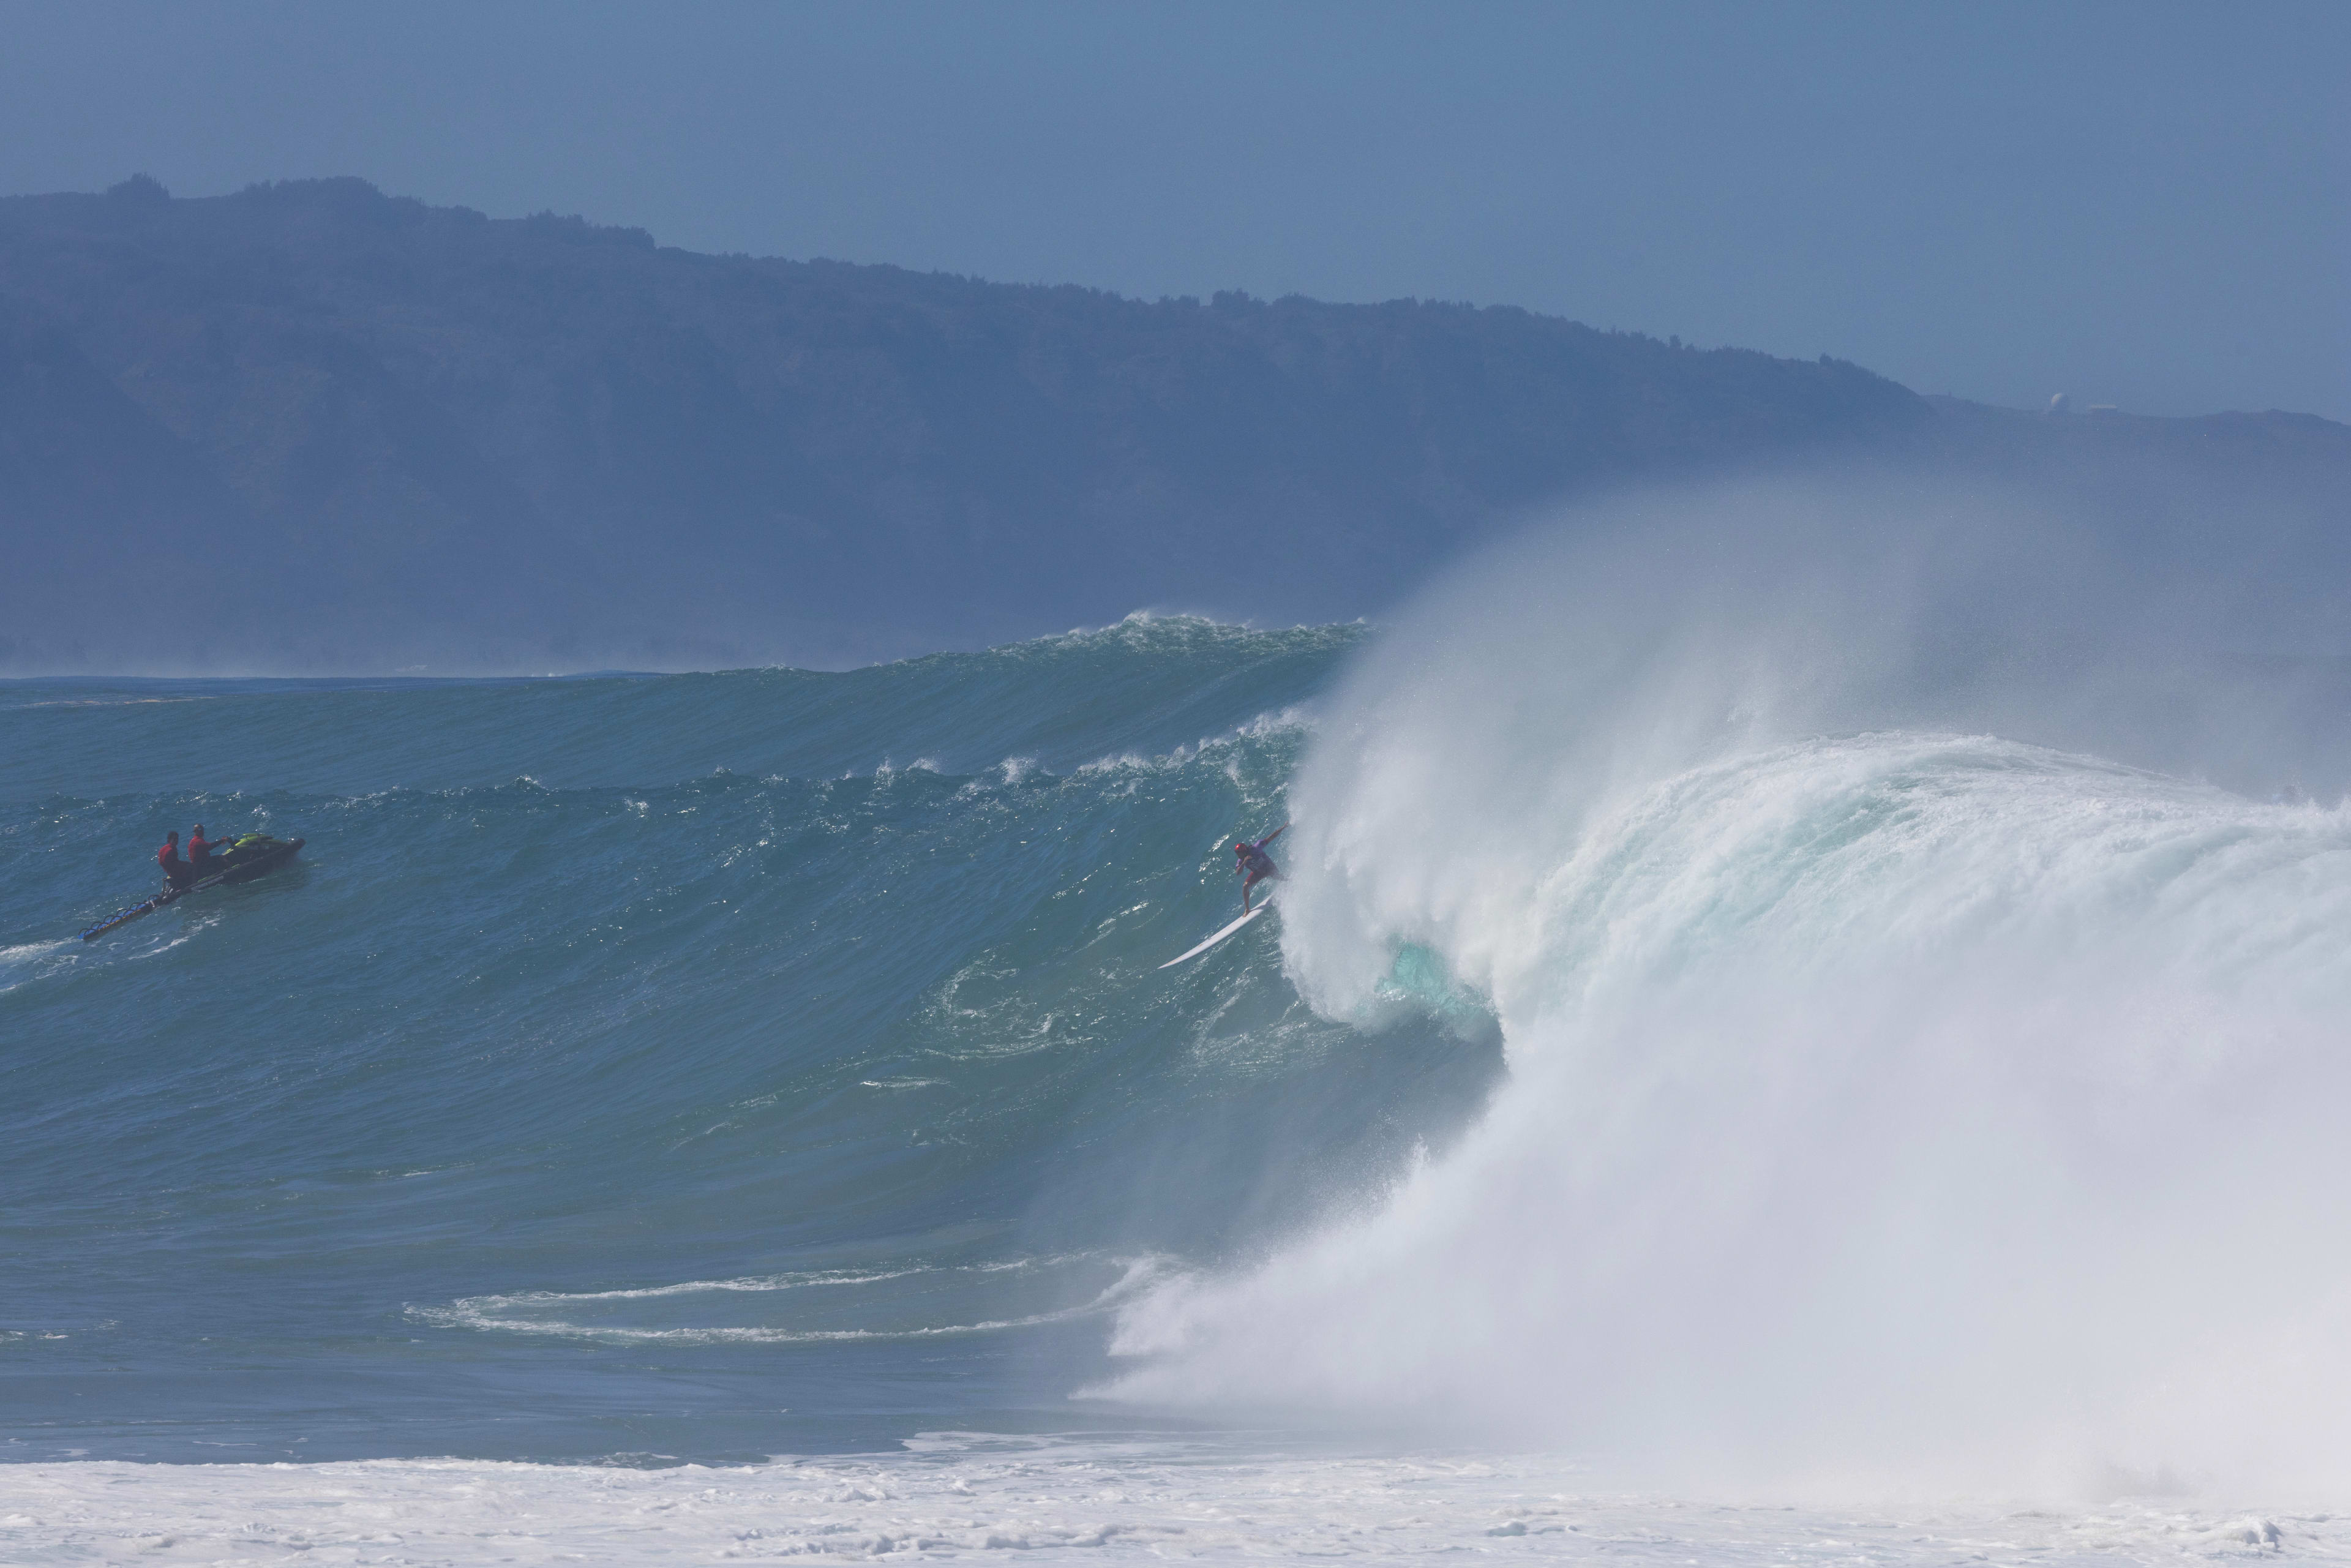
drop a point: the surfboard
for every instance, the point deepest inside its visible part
(1236, 926)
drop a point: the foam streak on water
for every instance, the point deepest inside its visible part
(715, 1064)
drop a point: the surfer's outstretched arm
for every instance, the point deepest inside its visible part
(1274, 835)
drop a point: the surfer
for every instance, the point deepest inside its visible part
(175, 870)
(1255, 864)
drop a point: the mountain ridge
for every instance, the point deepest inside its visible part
(356, 431)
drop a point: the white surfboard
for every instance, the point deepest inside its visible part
(1220, 937)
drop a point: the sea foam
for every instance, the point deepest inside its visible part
(1889, 1103)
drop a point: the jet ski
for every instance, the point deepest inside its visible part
(247, 856)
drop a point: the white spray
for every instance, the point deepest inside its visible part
(1889, 1096)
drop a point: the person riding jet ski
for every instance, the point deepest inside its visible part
(176, 872)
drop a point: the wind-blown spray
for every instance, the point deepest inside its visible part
(1895, 1086)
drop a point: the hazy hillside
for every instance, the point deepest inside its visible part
(312, 426)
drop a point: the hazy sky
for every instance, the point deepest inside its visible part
(2143, 204)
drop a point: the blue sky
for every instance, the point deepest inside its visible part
(2143, 204)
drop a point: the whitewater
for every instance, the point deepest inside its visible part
(1778, 1043)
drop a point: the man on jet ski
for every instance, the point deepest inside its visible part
(200, 850)
(175, 871)
(1255, 864)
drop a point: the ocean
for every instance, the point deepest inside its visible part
(1684, 1106)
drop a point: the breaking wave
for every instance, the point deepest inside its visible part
(1888, 1093)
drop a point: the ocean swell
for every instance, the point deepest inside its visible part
(607, 1031)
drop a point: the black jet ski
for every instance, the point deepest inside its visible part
(247, 856)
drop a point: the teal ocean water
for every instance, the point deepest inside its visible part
(676, 1067)
(1749, 1037)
